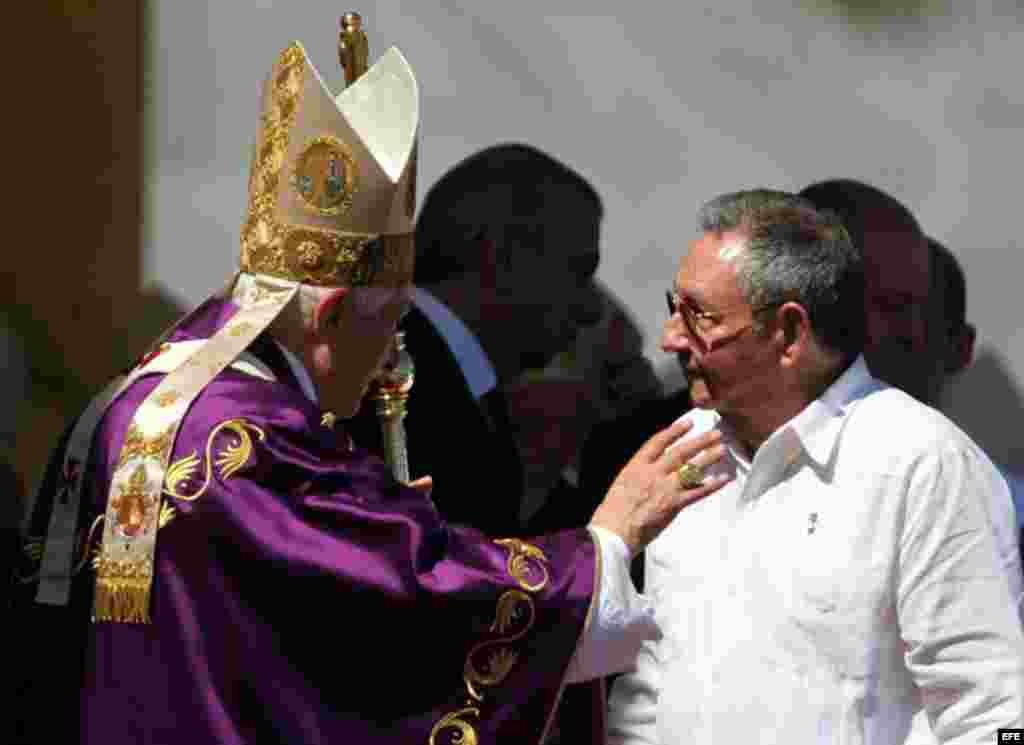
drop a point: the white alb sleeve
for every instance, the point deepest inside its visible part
(621, 618)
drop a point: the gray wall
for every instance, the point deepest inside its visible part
(661, 105)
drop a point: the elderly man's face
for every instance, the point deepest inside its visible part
(897, 282)
(358, 344)
(728, 366)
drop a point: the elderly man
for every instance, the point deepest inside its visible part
(847, 577)
(251, 576)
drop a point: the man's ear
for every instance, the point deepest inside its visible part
(962, 350)
(793, 331)
(327, 314)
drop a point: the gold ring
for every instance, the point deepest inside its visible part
(690, 475)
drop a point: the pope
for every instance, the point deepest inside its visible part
(211, 559)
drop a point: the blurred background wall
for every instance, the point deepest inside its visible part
(661, 105)
(74, 296)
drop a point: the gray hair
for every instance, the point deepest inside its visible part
(794, 252)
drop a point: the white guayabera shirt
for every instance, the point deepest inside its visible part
(855, 574)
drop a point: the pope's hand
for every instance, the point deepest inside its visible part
(423, 485)
(648, 492)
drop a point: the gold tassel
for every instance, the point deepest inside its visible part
(122, 599)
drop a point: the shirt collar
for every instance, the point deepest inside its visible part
(300, 373)
(815, 430)
(816, 427)
(473, 362)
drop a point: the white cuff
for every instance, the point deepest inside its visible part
(621, 618)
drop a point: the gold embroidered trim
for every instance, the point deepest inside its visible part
(500, 657)
(167, 513)
(262, 235)
(325, 176)
(122, 590)
(514, 616)
(464, 733)
(523, 560)
(167, 399)
(237, 329)
(230, 460)
(136, 444)
(131, 507)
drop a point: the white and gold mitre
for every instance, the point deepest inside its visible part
(331, 174)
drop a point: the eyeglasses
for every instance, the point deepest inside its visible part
(701, 324)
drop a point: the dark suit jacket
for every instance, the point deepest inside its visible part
(466, 445)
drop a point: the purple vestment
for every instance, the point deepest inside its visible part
(306, 597)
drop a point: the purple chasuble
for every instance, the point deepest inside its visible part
(303, 596)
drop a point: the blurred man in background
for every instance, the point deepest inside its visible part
(953, 343)
(507, 244)
(897, 280)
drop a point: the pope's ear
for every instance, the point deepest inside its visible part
(327, 315)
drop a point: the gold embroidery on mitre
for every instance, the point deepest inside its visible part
(324, 180)
(136, 444)
(231, 459)
(325, 176)
(257, 295)
(262, 235)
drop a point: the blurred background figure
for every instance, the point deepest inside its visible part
(953, 340)
(604, 375)
(951, 336)
(550, 412)
(897, 281)
(506, 251)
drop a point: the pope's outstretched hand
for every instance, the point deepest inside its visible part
(650, 490)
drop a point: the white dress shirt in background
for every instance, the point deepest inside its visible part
(849, 576)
